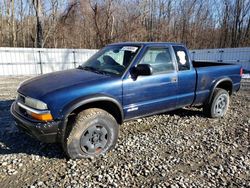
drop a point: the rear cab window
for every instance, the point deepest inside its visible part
(182, 58)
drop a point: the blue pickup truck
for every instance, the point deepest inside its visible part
(82, 108)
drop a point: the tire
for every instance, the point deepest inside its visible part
(94, 133)
(219, 104)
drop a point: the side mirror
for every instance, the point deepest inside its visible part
(142, 70)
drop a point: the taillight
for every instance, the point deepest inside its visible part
(241, 72)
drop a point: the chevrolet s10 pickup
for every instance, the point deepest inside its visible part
(83, 108)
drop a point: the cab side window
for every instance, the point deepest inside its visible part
(159, 59)
(182, 58)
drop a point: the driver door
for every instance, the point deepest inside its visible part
(155, 93)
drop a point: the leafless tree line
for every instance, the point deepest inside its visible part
(94, 23)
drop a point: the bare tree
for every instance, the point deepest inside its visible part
(39, 26)
(94, 23)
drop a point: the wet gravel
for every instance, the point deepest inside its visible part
(178, 149)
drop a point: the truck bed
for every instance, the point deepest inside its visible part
(208, 73)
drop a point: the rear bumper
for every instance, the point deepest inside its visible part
(43, 131)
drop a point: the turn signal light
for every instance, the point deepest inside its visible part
(41, 117)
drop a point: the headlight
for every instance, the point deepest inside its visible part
(36, 109)
(34, 103)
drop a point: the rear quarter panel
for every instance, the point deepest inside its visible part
(208, 77)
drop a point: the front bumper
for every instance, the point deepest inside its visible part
(43, 131)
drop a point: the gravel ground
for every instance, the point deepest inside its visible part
(178, 149)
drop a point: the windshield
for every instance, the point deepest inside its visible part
(112, 60)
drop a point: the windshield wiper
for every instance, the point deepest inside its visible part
(80, 67)
(92, 69)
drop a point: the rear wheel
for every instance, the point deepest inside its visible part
(219, 104)
(95, 132)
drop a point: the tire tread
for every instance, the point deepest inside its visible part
(81, 117)
(207, 108)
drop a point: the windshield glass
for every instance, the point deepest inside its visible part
(112, 60)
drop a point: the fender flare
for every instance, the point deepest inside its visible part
(68, 109)
(216, 83)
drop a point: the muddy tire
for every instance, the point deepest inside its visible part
(94, 133)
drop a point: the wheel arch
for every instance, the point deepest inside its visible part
(224, 83)
(103, 102)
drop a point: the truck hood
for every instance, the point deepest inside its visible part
(42, 85)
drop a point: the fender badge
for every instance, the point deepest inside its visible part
(132, 109)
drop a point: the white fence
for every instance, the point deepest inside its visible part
(227, 55)
(34, 61)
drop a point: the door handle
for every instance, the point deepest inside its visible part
(174, 79)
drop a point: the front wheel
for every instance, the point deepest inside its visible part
(219, 104)
(94, 132)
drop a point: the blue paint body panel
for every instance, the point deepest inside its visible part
(207, 77)
(137, 97)
(149, 94)
(59, 89)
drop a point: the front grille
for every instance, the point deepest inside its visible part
(22, 111)
(20, 98)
